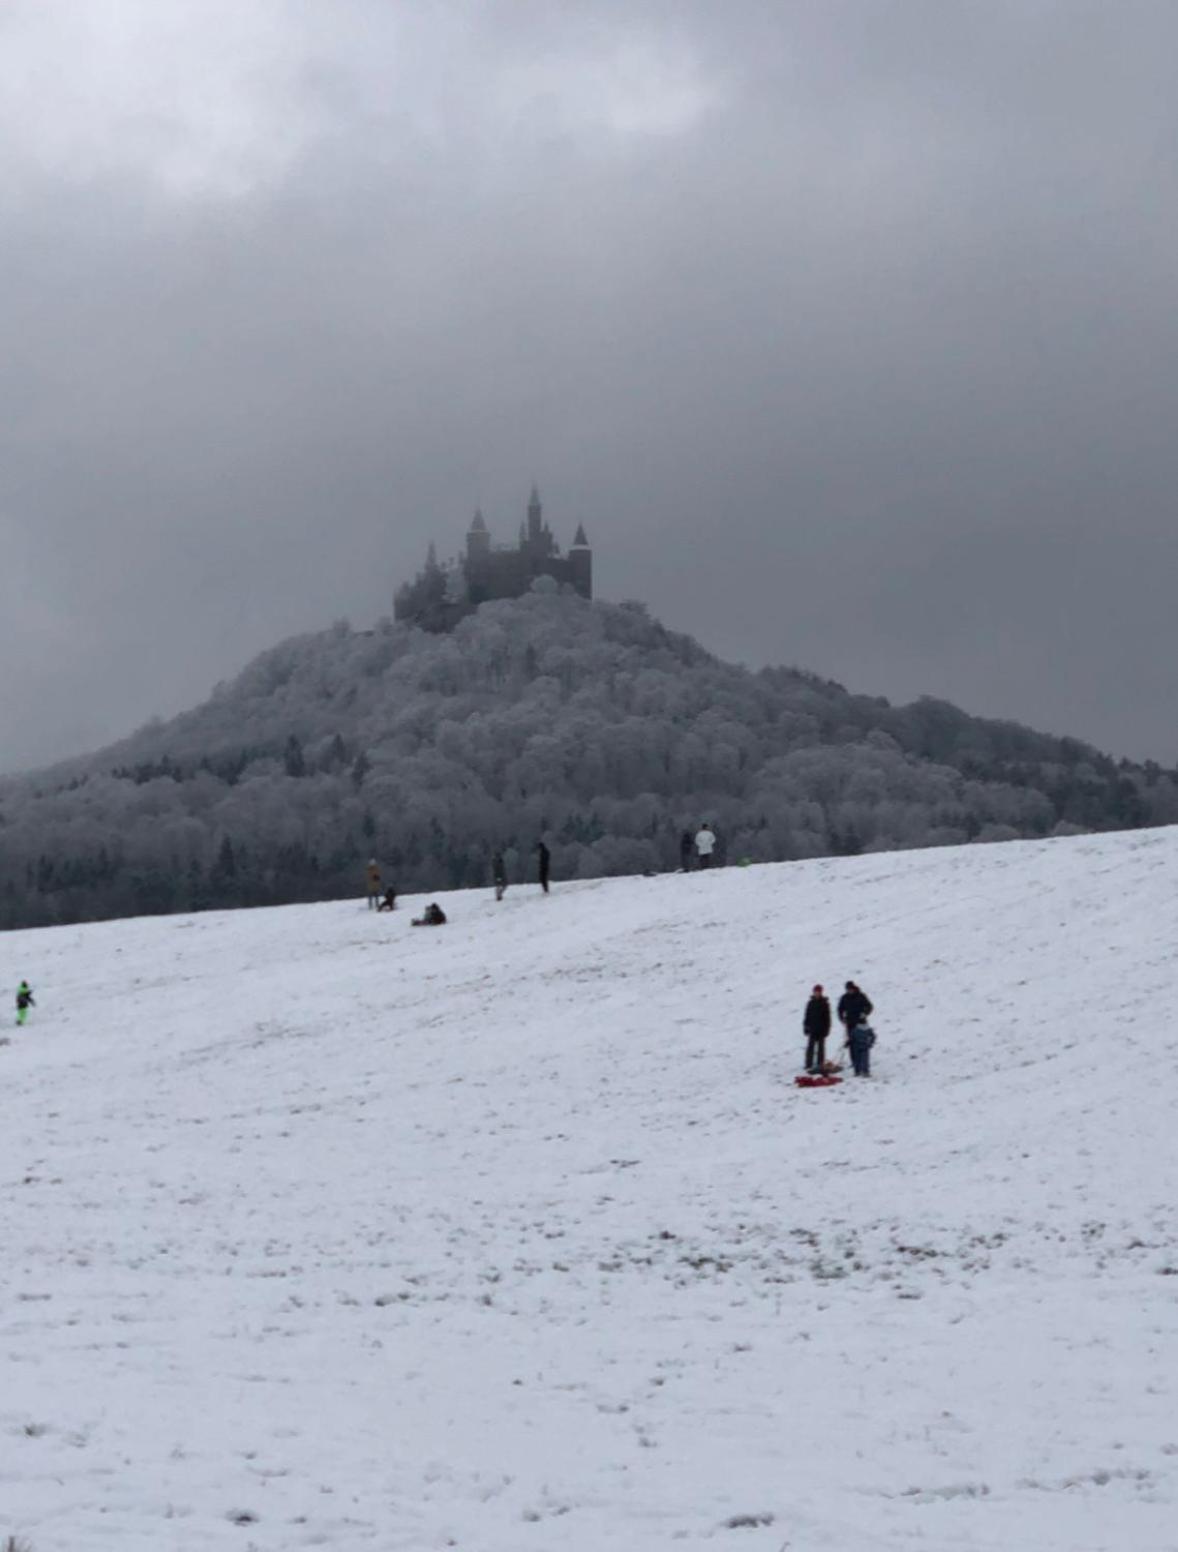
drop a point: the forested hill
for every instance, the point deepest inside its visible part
(589, 724)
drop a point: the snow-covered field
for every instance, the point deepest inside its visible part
(516, 1235)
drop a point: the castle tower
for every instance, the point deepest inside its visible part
(581, 563)
(478, 539)
(535, 524)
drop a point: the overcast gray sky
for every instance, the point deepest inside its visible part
(847, 327)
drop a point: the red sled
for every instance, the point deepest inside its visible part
(808, 1081)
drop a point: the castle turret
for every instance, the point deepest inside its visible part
(580, 563)
(535, 523)
(478, 538)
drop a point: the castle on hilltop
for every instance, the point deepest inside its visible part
(441, 594)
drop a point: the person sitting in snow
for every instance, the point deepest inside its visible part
(432, 916)
(816, 1027)
(389, 903)
(24, 1001)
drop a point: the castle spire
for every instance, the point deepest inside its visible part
(535, 511)
(478, 542)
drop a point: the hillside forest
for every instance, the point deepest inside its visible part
(587, 724)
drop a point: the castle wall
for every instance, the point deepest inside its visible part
(510, 573)
(499, 574)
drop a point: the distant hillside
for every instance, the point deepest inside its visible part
(590, 724)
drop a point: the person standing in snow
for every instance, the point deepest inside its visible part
(499, 874)
(816, 1026)
(861, 1039)
(685, 845)
(544, 857)
(854, 1007)
(372, 875)
(24, 1001)
(705, 845)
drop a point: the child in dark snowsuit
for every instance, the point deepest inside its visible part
(432, 916)
(499, 874)
(24, 1001)
(861, 1039)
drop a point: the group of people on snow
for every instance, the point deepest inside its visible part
(385, 898)
(853, 1010)
(695, 850)
(543, 870)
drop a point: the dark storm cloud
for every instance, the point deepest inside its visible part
(848, 329)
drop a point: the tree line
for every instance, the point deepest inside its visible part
(588, 724)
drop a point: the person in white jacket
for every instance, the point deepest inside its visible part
(705, 845)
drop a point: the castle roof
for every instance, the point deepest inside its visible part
(477, 523)
(579, 540)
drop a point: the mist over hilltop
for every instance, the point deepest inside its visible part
(847, 329)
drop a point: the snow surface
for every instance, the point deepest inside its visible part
(516, 1235)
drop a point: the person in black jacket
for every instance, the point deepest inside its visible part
(499, 874)
(854, 1008)
(545, 863)
(816, 1025)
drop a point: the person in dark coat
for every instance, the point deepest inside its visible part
(389, 903)
(816, 1026)
(854, 1008)
(545, 862)
(432, 916)
(499, 874)
(686, 847)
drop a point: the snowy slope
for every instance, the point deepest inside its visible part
(516, 1235)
